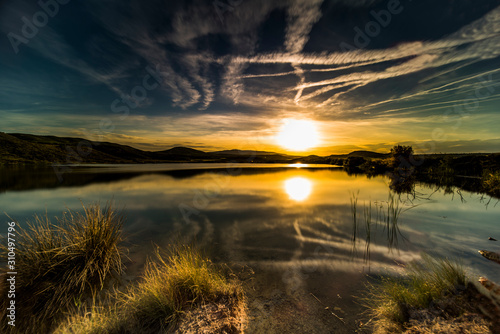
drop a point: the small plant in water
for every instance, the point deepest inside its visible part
(387, 214)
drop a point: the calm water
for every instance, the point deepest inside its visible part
(292, 226)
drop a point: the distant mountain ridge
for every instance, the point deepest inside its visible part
(368, 154)
(241, 152)
(28, 148)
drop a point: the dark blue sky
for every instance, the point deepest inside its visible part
(227, 73)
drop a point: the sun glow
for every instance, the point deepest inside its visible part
(298, 135)
(298, 188)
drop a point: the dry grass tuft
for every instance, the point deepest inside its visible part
(62, 265)
(172, 286)
(434, 296)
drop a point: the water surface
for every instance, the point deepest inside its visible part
(293, 227)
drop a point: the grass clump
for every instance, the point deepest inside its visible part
(491, 183)
(170, 288)
(432, 289)
(61, 265)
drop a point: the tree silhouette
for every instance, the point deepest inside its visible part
(401, 176)
(401, 157)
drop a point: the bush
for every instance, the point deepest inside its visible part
(401, 156)
(427, 282)
(491, 183)
(61, 265)
(168, 288)
(354, 162)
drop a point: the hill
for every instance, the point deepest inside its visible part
(179, 154)
(369, 154)
(26, 148)
(18, 148)
(244, 152)
(362, 154)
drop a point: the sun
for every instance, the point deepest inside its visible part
(298, 135)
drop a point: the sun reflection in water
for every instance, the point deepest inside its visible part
(298, 165)
(298, 188)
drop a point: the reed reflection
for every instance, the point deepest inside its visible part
(386, 214)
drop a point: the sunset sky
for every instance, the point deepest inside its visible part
(226, 74)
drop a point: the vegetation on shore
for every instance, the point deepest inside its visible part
(470, 172)
(169, 288)
(71, 281)
(491, 182)
(435, 296)
(61, 265)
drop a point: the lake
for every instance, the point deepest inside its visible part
(286, 230)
